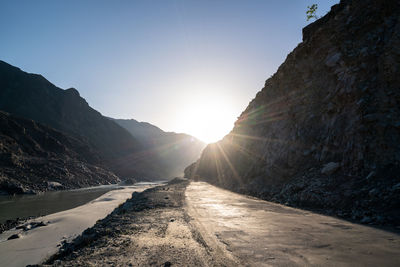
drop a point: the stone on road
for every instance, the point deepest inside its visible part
(261, 233)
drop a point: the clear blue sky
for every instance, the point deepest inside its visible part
(185, 66)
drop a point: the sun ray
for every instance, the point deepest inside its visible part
(232, 168)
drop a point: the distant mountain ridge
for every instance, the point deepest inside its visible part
(130, 149)
(32, 96)
(143, 131)
(174, 150)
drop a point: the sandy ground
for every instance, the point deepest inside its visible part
(39, 243)
(261, 233)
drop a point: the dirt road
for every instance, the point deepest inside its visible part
(261, 233)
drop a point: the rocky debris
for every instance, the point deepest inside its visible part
(14, 236)
(176, 180)
(11, 186)
(323, 132)
(396, 188)
(32, 225)
(21, 224)
(54, 185)
(372, 201)
(330, 168)
(128, 181)
(36, 158)
(9, 224)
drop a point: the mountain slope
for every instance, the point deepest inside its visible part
(37, 158)
(175, 151)
(143, 131)
(32, 96)
(324, 132)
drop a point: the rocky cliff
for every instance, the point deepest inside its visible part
(34, 158)
(173, 150)
(324, 132)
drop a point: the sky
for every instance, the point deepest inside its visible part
(183, 65)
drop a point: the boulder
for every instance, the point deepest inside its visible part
(330, 168)
(14, 236)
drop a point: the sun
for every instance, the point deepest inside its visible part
(208, 119)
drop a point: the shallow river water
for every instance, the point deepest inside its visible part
(22, 206)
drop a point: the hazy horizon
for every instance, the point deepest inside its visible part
(184, 66)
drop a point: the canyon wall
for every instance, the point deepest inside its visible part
(324, 132)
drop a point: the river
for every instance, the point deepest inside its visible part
(22, 206)
(39, 243)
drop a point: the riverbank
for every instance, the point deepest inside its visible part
(25, 206)
(36, 244)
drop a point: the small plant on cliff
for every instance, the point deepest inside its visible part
(312, 12)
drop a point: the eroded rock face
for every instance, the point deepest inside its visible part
(335, 100)
(38, 158)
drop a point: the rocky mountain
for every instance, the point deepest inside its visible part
(34, 157)
(32, 96)
(174, 150)
(324, 132)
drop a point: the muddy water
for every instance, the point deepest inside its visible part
(22, 206)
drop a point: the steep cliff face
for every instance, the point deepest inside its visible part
(173, 150)
(32, 96)
(34, 157)
(324, 132)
